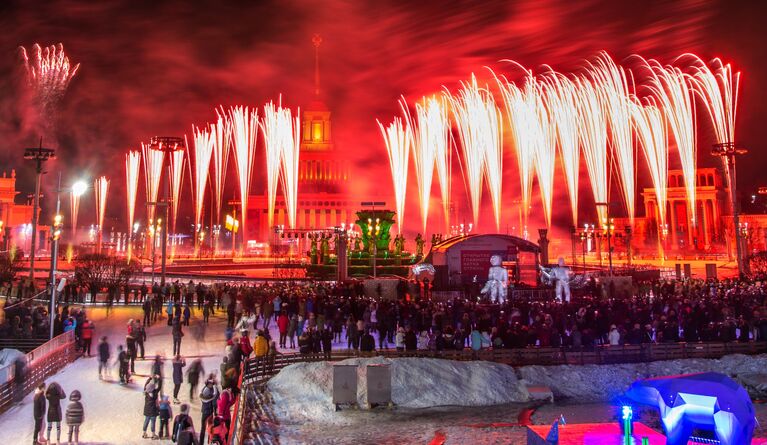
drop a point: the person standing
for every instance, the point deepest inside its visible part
(123, 361)
(104, 355)
(183, 429)
(260, 349)
(193, 374)
(177, 334)
(282, 324)
(39, 412)
(151, 410)
(225, 403)
(187, 314)
(140, 333)
(178, 376)
(146, 306)
(209, 398)
(75, 416)
(87, 335)
(166, 412)
(157, 372)
(130, 343)
(54, 394)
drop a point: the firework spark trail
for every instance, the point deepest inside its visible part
(425, 142)
(672, 91)
(521, 112)
(435, 117)
(101, 187)
(545, 153)
(244, 125)
(562, 99)
(132, 166)
(477, 119)
(398, 139)
(291, 150)
(593, 135)
(272, 128)
(649, 125)
(610, 79)
(153, 160)
(176, 178)
(222, 134)
(204, 141)
(48, 73)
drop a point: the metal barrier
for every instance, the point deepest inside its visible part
(235, 430)
(41, 363)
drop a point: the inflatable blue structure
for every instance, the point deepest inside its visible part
(707, 401)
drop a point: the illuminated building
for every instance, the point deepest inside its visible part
(15, 219)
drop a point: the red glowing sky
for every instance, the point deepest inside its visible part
(151, 68)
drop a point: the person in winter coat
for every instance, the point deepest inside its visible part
(399, 339)
(614, 336)
(178, 376)
(54, 394)
(193, 374)
(123, 360)
(104, 355)
(177, 334)
(166, 412)
(423, 341)
(411, 340)
(217, 430)
(479, 340)
(87, 336)
(282, 324)
(187, 315)
(158, 372)
(75, 415)
(292, 327)
(245, 347)
(130, 345)
(140, 334)
(209, 398)
(183, 429)
(169, 312)
(39, 412)
(225, 403)
(368, 343)
(151, 410)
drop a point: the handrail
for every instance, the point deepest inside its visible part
(235, 432)
(33, 297)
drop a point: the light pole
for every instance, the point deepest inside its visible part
(373, 235)
(727, 151)
(55, 235)
(39, 155)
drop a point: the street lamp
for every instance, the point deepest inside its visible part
(373, 232)
(727, 151)
(39, 155)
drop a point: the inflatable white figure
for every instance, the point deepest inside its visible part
(561, 274)
(497, 280)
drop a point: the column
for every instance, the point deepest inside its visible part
(706, 231)
(672, 223)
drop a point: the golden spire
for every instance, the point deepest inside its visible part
(316, 40)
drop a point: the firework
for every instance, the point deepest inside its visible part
(424, 148)
(593, 136)
(650, 127)
(132, 165)
(244, 125)
(521, 112)
(100, 187)
(221, 132)
(398, 138)
(176, 178)
(672, 91)
(439, 135)
(204, 141)
(562, 99)
(272, 128)
(48, 73)
(545, 152)
(611, 82)
(477, 119)
(153, 160)
(291, 150)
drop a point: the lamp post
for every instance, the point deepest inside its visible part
(373, 235)
(39, 155)
(55, 235)
(727, 151)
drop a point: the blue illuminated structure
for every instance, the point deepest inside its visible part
(708, 401)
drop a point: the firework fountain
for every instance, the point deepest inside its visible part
(272, 127)
(545, 153)
(291, 149)
(176, 178)
(561, 96)
(132, 166)
(593, 135)
(611, 82)
(398, 138)
(204, 142)
(48, 73)
(221, 132)
(153, 160)
(439, 134)
(244, 127)
(100, 187)
(650, 127)
(424, 147)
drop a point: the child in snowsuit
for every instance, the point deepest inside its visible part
(75, 415)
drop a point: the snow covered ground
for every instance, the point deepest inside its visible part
(114, 413)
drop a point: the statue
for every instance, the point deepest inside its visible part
(419, 245)
(325, 249)
(357, 243)
(399, 245)
(313, 249)
(561, 275)
(497, 281)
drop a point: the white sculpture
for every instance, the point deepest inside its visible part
(497, 280)
(560, 274)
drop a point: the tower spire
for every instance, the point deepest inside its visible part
(317, 40)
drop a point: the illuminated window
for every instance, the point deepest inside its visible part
(317, 131)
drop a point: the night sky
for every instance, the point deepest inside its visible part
(155, 68)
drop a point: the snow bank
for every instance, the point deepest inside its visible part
(591, 383)
(303, 391)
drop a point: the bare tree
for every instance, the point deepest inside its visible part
(10, 264)
(98, 271)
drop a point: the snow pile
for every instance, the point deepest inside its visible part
(590, 383)
(303, 391)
